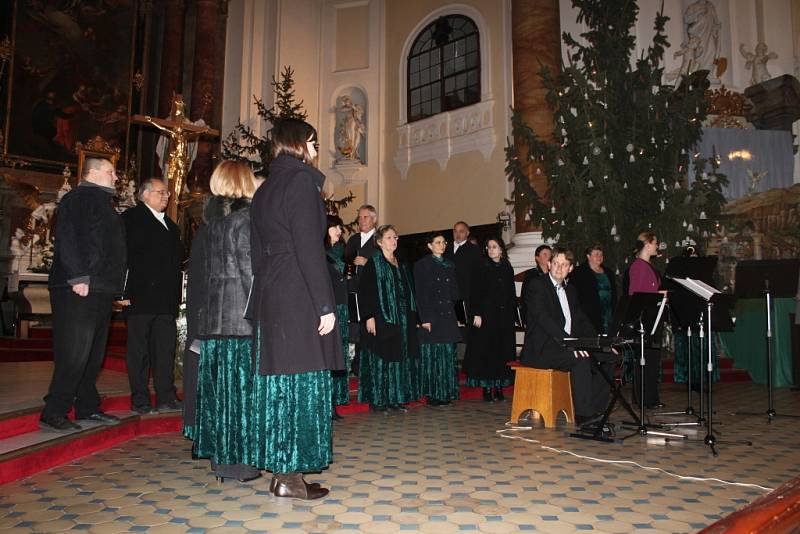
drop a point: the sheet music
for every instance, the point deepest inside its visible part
(661, 307)
(246, 314)
(698, 287)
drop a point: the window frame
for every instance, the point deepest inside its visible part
(471, 74)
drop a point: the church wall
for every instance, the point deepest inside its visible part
(776, 22)
(470, 185)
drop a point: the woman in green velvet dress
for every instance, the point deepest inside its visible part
(219, 281)
(293, 306)
(336, 267)
(389, 370)
(436, 294)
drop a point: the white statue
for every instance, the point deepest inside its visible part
(700, 48)
(758, 62)
(351, 129)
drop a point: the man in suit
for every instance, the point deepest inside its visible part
(153, 292)
(357, 252)
(87, 275)
(541, 256)
(466, 256)
(553, 314)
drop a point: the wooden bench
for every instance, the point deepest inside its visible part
(545, 391)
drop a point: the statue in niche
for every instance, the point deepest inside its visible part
(351, 129)
(758, 62)
(700, 48)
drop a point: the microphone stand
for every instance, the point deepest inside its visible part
(689, 408)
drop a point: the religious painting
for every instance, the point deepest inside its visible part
(69, 76)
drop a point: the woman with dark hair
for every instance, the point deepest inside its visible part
(597, 289)
(492, 336)
(297, 343)
(642, 277)
(389, 367)
(218, 377)
(437, 293)
(336, 267)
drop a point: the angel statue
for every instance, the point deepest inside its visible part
(755, 179)
(351, 129)
(758, 62)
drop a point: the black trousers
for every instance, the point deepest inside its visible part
(652, 360)
(151, 345)
(590, 391)
(80, 332)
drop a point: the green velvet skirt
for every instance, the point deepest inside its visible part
(410, 379)
(341, 379)
(224, 400)
(379, 382)
(483, 383)
(290, 430)
(699, 358)
(438, 375)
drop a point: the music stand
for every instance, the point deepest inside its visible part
(686, 312)
(780, 277)
(713, 298)
(644, 313)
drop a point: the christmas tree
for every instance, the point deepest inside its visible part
(244, 145)
(623, 145)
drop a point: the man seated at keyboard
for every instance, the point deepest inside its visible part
(554, 313)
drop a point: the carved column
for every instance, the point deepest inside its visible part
(536, 42)
(209, 57)
(172, 55)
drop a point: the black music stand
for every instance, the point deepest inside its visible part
(644, 314)
(768, 279)
(686, 313)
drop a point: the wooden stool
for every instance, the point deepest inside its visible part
(546, 391)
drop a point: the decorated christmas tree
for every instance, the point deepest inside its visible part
(244, 145)
(624, 143)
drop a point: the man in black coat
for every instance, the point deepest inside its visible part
(155, 255)
(542, 258)
(87, 275)
(357, 252)
(554, 314)
(467, 257)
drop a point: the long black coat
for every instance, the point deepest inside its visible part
(155, 255)
(584, 281)
(494, 299)
(90, 241)
(436, 291)
(292, 287)
(467, 259)
(546, 321)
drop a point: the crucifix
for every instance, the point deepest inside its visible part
(181, 132)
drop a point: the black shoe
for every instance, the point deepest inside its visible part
(102, 418)
(142, 410)
(487, 394)
(173, 406)
(336, 417)
(655, 406)
(376, 408)
(398, 408)
(498, 394)
(57, 424)
(588, 420)
(434, 402)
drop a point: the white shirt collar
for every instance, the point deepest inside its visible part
(556, 284)
(366, 236)
(456, 245)
(159, 215)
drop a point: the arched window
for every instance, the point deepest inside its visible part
(444, 67)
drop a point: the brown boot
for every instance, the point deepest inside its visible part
(292, 485)
(274, 482)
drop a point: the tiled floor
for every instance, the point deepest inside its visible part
(435, 470)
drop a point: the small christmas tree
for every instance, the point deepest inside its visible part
(623, 144)
(244, 145)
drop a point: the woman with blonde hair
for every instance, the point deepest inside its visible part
(218, 377)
